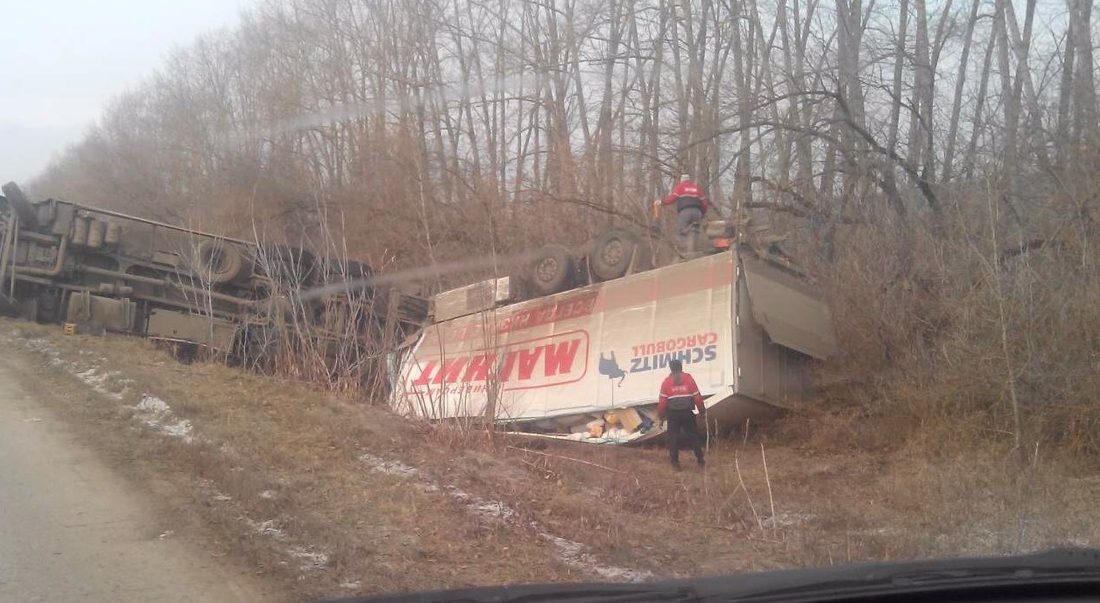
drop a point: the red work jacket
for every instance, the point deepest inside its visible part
(685, 394)
(689, 190)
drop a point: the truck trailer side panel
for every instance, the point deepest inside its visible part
(587, 350)
(747, 329)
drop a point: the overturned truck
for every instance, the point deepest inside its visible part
(99, 270)
(586, 363)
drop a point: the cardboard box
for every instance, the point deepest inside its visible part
(630, 419)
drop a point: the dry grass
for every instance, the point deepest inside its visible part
(840, 485)
(831, 503)
(257, 435)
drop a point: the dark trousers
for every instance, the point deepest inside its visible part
(687, 227)
(682, 432)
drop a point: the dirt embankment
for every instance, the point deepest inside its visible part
(336, 498)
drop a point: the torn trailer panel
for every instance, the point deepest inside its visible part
(554, 364)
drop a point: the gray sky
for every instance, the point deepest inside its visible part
(63, 60)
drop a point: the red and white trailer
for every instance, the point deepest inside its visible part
(747, 328)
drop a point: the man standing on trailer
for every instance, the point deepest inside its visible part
(679, 394)
(691, 206)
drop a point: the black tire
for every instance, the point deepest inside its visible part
(584, 270)
(254, 346)
(552, 271)
(49, 306)
(8, 306)
(19, 203)
(355, 275)
(337, 270)
(290, 266)
(220, 262)
(613, 253)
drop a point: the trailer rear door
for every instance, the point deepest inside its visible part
(789, 310)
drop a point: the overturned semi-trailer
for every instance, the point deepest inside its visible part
(101, 270)
(586, 364)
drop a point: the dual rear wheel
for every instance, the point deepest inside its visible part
(614, 254)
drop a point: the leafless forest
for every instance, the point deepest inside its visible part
(933, 162)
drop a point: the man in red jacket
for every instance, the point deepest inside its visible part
(691, 206)
(679, 394)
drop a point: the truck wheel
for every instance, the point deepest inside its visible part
(255, 346)
(8, 306)
(354, 274)
(614, 252)
(289, 266)
(337, 270)
(220, 262)
(28, 217)
(552, 271)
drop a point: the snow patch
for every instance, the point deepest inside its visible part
(157, 415)
(570, 552)
(485, 509)
(152, 404)
(493, 510)
(576, 555)
(40, 344)
(267, 494)
(99, 381)
(311, 559)
(395, 468)
(267, 528)
(88, 372)
(180, 429)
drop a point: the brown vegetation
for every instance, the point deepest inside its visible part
(275, 468)
(931, 161)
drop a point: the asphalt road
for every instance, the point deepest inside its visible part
(72, 529)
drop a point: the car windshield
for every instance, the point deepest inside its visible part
(314, 299)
